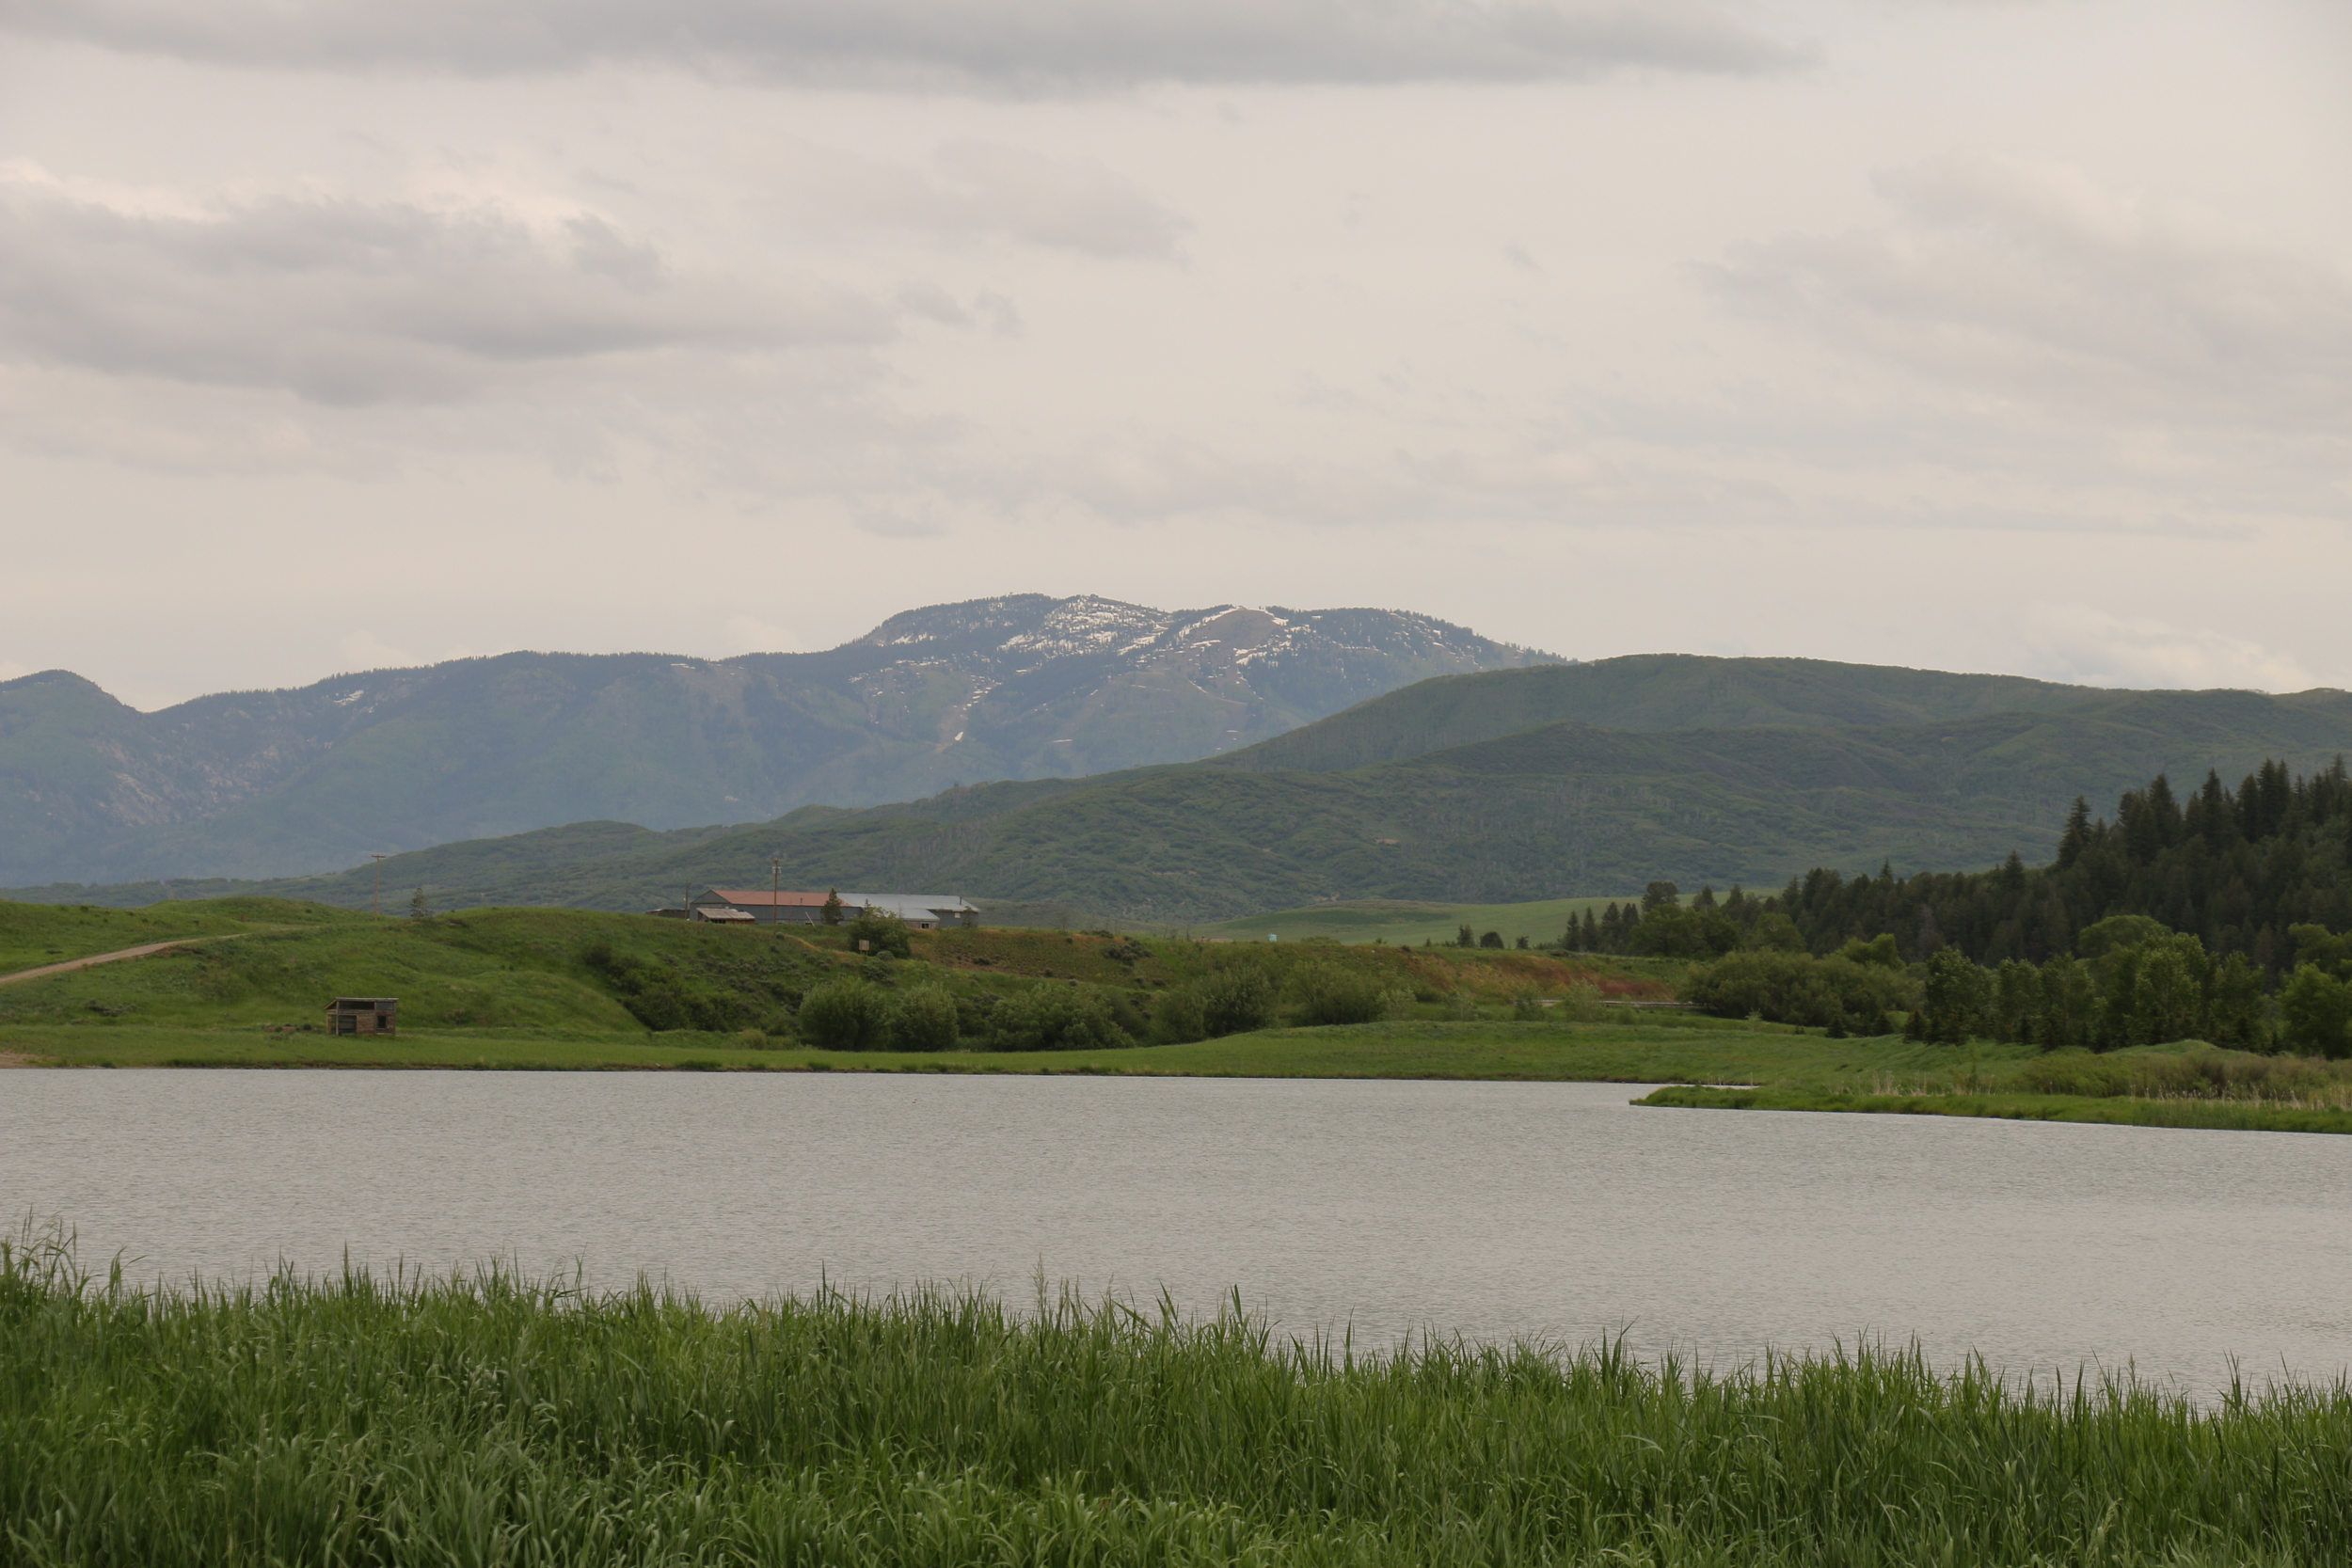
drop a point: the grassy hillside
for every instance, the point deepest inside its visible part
(553, 988)
(1647, 692)
(1402, 922)
(563, 973)
(33, 936)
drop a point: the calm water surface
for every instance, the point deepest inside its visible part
(1497, 1210)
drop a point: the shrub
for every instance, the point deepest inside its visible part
(924, 1019)
(1328, 992)
(1236, 995)
(2315, 1013)
(1492, 939)
(1579, 1003)
(1058, 1018)
(1793, 987)
(1674, 932)
(1176, 1019)
(882, 933)
(1527, 1007)
(846, 1015)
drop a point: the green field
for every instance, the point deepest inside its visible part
(1699, 1051)
(1405, 924)
(517, 989)
(486, 1420)
(34, 935)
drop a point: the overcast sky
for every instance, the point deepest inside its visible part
(2007, 334)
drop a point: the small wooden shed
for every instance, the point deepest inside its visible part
(362, 1014)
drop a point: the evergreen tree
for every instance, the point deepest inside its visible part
(417, 907)
(831, 910)
(2077, 835)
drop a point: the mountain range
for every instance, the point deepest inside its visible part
(1540, 782)
(266, 783)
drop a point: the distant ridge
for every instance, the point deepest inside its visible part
(257, 784)
(1651, 692)
(1556, 808)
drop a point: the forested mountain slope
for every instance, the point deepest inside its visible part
(1651, 692)
(1560, 810)
(266, 783)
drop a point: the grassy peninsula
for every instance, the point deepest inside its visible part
(487, 1420)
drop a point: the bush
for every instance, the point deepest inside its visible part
(924, 1019)
(882, 933)
(1793, 987)
(661, 998)
(1674, 932)
(846, 1015)
(1579, 1003)
(1328, 992)
(2315, 1013)
(1058, 1018)
(1176, 1019)
(1236, 995)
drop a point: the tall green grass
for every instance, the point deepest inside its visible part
(489, 1419)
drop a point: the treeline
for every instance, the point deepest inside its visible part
(2237, 869)
(2177, 920)
(2137, 984)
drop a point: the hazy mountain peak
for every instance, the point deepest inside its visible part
(1020, 686)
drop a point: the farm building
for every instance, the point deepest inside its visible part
(923, 912)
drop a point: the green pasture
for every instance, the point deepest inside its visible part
(1698, 1052)
(1405, 924)
(521, 989)
(34, 935)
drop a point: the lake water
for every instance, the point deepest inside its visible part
(1497, 1210)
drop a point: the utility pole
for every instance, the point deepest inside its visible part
(775, 888)
(379, 885)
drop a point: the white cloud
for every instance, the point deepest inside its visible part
(1024, 43)
(2078, 643)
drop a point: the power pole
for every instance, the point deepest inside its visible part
(379, 885)
(775, 889)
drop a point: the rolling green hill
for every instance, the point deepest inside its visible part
(1648, 692)
(1562, 809)
(1402, 922)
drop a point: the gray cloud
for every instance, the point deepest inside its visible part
(1025, 43)
(351, 302)
(2034, 285)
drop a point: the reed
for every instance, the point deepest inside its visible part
(492, 1420)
